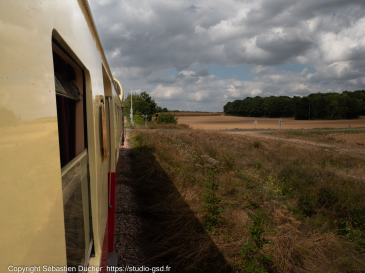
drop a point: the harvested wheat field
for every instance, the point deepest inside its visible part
(186, 114)
(230, 122)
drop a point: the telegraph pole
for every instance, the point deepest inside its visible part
(132, 106)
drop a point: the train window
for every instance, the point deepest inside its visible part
(65, 79)
(70, 102)
(69, 98)
(74, 186)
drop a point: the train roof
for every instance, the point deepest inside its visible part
(119, 89)
(97, 37)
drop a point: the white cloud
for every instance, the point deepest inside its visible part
(163, 92)
(146, 40)
(256, 92)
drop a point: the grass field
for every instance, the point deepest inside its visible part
(352, 137)
(230, 122)
(152, 125)
(267, 204)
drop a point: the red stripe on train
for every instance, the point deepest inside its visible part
(111, 212)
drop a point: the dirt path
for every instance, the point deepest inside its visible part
(130, 240)
(338, 147)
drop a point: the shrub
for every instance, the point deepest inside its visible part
(307, 202)
(138, 119)
(212, 210)
(228, 161)
(166, 118)
(254, 260)
(358, 216)
(256, 144)
(327, 196)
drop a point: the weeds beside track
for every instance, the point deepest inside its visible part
(312, 202)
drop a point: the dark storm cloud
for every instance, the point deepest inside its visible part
(144, 39)
(281, 49)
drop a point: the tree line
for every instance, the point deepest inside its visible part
(346, 105)
(144, 104)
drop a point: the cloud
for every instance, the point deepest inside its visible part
(147, 40)
(163, 92)
(191, 75)
(256, 92)
(193, 8)
(202, 73)
(159, 80)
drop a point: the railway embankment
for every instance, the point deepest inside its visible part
(218, 202)
(155, 227)
(130, 240)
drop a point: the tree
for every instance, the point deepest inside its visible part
(333, 108)
(256, 107)
(315, 106)
(302, 108)
(142, 103)
(227, 108)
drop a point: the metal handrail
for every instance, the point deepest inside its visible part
(71, 185)
(73, 162)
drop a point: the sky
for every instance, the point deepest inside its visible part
(198, 55)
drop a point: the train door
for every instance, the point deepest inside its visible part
(108, 118)
(72, 133)
(111, 163)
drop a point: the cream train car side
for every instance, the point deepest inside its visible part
(60, 130)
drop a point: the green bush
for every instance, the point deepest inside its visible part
(254, 260)
(307, 202)
(138, 119)
(166, 118)
(358, 216)
(212, 210)
(327, 197)
(256, 144)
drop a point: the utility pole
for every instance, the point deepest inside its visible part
(309, 113)
(132, 106)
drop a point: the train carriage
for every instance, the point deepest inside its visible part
(61, 125)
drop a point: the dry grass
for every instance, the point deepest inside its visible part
(309, 195)
(152, 125)
(190, 114)
(230, 122)
(318, 136)
(177, 237)
(312, 252)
